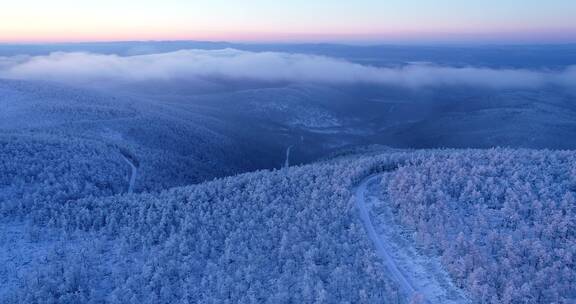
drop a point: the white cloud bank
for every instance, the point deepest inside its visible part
(264, 66)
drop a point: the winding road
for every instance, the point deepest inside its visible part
(133, 174)
(420, 278)
(287, 161)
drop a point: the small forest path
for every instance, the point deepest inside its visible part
(420, 278)
(133, 174)
(287, 161)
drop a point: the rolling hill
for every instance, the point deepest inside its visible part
(297, 235)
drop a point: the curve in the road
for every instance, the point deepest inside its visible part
(421, 278)
(381, 247)
(133, 174)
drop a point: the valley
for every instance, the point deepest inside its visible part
(186, 183)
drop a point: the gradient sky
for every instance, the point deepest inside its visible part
(289, 20)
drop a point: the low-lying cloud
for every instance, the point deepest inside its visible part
(264, 66)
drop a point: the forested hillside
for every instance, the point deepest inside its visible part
(501, 220)
(173, 145)
(36, 171)
(289, 235)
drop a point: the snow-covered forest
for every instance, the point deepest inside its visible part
(36, 171)
(289, 235)
(502, 221)
(174, 144)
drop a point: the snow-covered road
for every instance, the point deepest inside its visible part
(287, 161)
(133, 174)
(421, 278)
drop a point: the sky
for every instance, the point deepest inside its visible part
(362, 21)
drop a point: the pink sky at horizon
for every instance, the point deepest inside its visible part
(363, 21)
(361, 38)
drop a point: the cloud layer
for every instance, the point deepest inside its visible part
(264, 66)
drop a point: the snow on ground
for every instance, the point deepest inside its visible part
(21, 249)
(38, 262)
(133, 173)
(421, 277)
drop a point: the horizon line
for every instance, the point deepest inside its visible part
(464, 42)
(524, 36)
